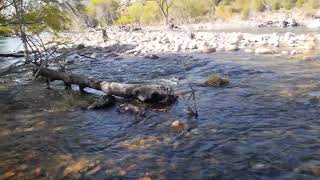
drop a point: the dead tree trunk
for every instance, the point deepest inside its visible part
(141, 92)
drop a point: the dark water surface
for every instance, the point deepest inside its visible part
(264, 125)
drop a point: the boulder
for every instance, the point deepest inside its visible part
(264, 50)
(216, 81)
(208, 50)
(103, 102)
(232, 47)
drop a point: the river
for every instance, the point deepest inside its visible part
(8, 45)
(263, 125)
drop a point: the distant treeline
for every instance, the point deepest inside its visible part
(50, 15)
(149, 11)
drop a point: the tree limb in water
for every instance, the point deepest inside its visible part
(141, 92)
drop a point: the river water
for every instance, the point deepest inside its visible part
(263, 125)
(8, 45)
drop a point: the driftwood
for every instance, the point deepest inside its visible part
(141, 92)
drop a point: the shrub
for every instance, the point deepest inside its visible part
(140, 13)
(288, 4)
(6, 31)
(123, 20)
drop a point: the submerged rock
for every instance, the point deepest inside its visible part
(216, 81)
(178, 125)
(103, 102)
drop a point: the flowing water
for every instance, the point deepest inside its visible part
(8, 45)
(263, 125)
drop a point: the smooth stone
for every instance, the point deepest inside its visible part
(248, 51)
(264, 50)
(232, 48)
(209, 50)
(216, 81)
(178, 125)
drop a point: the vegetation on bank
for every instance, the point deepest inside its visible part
(185, 10)
(38, 18)
(56, 17)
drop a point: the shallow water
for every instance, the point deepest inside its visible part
(263, 125)
(8, 45)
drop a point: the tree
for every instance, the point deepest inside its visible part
(164, 6)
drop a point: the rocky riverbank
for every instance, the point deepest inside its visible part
(277, 34)
(146, 42)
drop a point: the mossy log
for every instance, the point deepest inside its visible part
(142, 92)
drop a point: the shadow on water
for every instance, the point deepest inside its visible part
(263, 125)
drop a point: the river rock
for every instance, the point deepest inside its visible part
(178, 47)
(94, 55)
(178, 125)
(248, 50)
(285, 53)
(39, 172)
(103, 102)
(131, 108)
(264, 50)
(232, 47)
(216, 81)
(208, 50)
(8, 175)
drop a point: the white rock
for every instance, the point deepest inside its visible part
(264, 50)
(232, 47)
(208, 50)
(285, 53)
(248, 50)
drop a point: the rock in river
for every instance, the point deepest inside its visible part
(216, 81)
(103, 102)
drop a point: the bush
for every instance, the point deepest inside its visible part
(140, 13)
(123, 20)
(288, 4)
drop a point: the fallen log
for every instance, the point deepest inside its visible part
(15, 55)
(142, 92)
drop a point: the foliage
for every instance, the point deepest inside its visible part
(192, 8)
(123, 20)
(48, 17)
(6, 30)
(140, 13)
(224, 11)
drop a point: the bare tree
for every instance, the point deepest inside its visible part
(164, 6)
